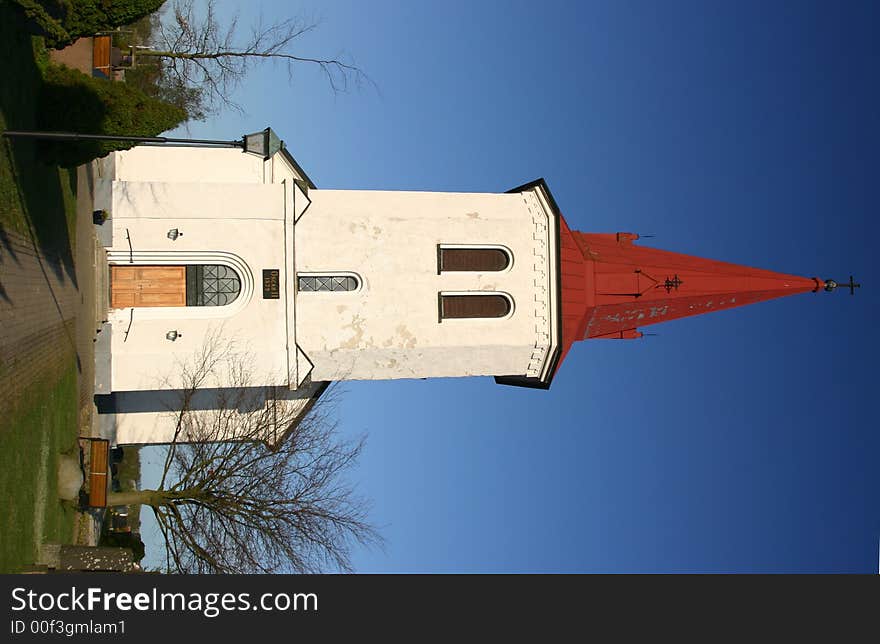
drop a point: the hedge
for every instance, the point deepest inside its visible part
(61, 22)
(70, 101)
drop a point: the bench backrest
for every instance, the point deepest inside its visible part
(101, 53)
(99, 464)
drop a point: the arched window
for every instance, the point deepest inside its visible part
(334, 283)
(474, 305)
(472, 258)
(211, 285)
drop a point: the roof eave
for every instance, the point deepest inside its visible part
(554, 360)
(284, 152)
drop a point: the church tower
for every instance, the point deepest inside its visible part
(311, 286)
(432, 284)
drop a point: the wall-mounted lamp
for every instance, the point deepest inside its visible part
(173, 234)
(173, 335)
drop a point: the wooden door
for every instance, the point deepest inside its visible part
(147, 286)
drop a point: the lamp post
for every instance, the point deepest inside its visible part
(264, 143)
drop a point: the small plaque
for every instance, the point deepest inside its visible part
(271, 280)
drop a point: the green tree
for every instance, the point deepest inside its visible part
(62, 22)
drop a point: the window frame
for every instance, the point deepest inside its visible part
(500, 247)
(313, 274)
(507, 296)
(198, 282)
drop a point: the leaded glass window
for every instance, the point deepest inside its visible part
(327, 283)
(211, 285)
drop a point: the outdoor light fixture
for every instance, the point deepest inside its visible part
(173, 335)
(264, 143)
(173, 234)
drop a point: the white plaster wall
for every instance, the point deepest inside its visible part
(187, 164)
(193, 200)
(244, 221)
(279, 170)
(192, 164)
(390, 328)
(135, 426)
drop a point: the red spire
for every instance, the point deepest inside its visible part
(610, 286)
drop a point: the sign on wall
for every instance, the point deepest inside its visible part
(271, 281)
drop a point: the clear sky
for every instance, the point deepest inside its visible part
(744, 440)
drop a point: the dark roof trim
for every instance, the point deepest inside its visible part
(531, 382)
(296, 166)
(305, 191)
(311, 364)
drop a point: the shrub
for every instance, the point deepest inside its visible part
(44, 23)
(70, 101)
(63, 21)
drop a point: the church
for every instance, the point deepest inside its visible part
(312, 286)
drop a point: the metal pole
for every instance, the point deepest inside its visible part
(73, 136)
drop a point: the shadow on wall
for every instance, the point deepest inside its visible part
(246, 399)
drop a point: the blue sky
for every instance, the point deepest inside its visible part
(743, 440)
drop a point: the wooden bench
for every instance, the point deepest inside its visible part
(101, 55)
(99, 468)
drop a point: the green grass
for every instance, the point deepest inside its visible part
(35, 198)
(36, 430)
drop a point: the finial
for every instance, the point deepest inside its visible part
(831, 285)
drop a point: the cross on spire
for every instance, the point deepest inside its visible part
(831, 285)
(673, 283)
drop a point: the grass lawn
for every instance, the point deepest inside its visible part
(38, 201)
(36, 431)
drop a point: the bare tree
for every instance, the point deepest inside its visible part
(196, 51)
(226, 503)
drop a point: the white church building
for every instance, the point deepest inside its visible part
(311, 286)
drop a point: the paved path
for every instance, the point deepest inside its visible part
(42, 304)
(38, 306)
(76, 56)
(47, 315)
